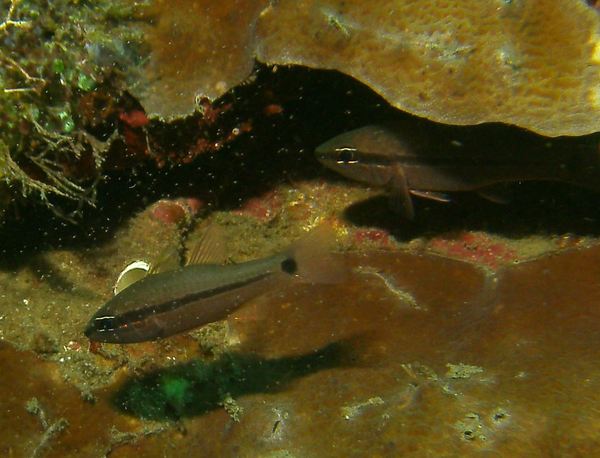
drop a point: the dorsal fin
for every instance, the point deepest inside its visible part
(208, 248)
(132, 273)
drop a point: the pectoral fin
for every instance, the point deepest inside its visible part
(400, 199)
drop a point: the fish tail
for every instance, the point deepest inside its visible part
(312, 260)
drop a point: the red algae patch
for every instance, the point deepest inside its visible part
(176, 211)
(475, 247)
(262, 207)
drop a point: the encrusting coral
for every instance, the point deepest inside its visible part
(74, 78)
(532, 64)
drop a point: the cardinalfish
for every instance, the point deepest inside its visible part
(159, 301)
(418, 158)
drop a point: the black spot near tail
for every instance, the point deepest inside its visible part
(289, 266)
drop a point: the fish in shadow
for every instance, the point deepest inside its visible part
(419, 158)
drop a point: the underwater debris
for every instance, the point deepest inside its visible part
(51, 430)
(405, 297)
(462, 371)
(472, 429)
(351, 411)
(231, 406)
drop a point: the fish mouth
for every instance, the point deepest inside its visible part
(92, 333)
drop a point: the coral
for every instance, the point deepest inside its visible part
(176, 211)
(199, 48)
(262, 207)
(414, 354)
(343, 369)
(530, 63)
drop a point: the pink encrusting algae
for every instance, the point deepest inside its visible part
(475, 247)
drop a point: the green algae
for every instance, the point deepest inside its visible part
(54, 54)
(196, 387)
(177, 390)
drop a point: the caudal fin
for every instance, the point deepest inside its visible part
(314, 260)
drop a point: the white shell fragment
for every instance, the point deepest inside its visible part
(132, 273)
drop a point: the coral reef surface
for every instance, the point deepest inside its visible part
(463, 63)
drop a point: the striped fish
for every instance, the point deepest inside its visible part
(418, 158)
(164, 303)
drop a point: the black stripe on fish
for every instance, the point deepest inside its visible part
(373, 158)
(289, 266)
(110, 323)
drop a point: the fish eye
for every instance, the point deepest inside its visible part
(346, 155)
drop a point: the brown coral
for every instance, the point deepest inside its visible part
(533, 64)
(199, 48)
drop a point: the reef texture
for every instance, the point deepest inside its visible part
(414, 354)
(534, 64)
(199, 49)
(87, 90)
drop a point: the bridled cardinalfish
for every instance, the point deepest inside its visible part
(170, 300)
(416, 157)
